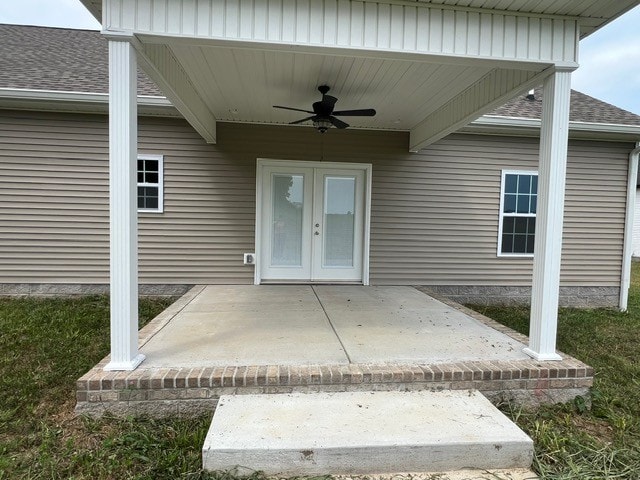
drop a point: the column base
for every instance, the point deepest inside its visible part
(542, 356)
(125, 366)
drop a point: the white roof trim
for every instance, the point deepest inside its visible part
(497, 125)
(82, 97)
(78, 102)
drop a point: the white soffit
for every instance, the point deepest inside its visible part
(242, 85)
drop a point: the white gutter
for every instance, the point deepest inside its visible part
(496, 120)
(75, 97)
(497, 123)
(627, 249)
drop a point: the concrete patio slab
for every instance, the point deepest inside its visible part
(238, 330)
(322, 325)
(403, 325)
(253, 298)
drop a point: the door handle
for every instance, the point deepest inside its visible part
(317, 225)
(316, 233)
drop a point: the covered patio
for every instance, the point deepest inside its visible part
(430, 69)
(239, 339)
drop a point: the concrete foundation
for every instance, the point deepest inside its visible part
(474, 294)
(580, 297)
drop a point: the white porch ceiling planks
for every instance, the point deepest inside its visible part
(243, 85)
(491, 91)
(161, 65)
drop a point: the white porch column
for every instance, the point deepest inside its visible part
(548, 243)
(123, 146)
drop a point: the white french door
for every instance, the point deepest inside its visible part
(312, 221)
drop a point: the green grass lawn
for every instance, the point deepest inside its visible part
(46, 344)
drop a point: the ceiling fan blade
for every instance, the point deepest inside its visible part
(291, 108)
(303, 120)
(338, 123)
(365, 112)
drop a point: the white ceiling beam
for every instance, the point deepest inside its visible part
(166, 71)
(493, 90)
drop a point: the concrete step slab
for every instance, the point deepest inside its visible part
(363, 433)
(503, 474)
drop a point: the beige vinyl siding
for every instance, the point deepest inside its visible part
(434, 214)
(53, 199)
(454, 190)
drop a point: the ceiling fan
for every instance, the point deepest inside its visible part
(323, 115)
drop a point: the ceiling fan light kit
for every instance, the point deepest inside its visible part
(323, 114)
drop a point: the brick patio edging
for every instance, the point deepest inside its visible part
(189, 389)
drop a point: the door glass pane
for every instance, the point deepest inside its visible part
(339, 208)
(286, 230)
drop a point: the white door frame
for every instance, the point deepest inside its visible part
(261, 163)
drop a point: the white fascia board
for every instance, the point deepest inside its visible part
(86, 102)
(498, 125)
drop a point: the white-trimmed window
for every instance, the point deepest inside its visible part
(518, 205)
(150, 183)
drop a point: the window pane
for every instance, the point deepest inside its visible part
(519, 243)
(534, 183)
(521, 225)
(151, 202)
(534, 204)
(151, 177)
(510, 183)
(339, 208)
(518, 235)
(151, 165)
(508, 225)
(507, 243)
(509, 203)
(523, 203)
(140, 165)
(286, 232)
(524, 183)
(148, 197)
(140, 177)
(530, 242)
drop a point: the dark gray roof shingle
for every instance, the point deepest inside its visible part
(61, 59)
(583, 109)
